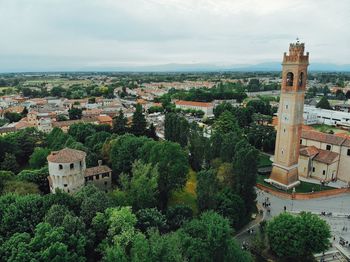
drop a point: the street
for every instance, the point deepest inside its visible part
(339, 206)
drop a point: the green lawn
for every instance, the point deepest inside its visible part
(304, 187)
(264, 161)
(188, 195)
(326, 129)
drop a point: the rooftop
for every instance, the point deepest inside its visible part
(320, 155)
(66, 155)
(322, 137)
(193, 103)
(97, 170)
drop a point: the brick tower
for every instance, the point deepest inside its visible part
(290, 117)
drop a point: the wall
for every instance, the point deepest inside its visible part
(73, 178)
(304, 196)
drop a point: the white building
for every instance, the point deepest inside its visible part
(207, 108)
(313, 115)
(66, 170)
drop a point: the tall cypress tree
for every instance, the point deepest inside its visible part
(119, 124)
(139, 123)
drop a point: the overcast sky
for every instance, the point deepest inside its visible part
(80, 34)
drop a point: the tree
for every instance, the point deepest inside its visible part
(177, 215)
(81, 131)
(12, 116)
(92, 200)
(231, 206)
(226, 123)
(324, 103)
(139, 123)
(172, 163)
(199, 148)
(150, 218)
(22, 215)
(151, 132)
(61, 118)
(124, 151)
(245, 167)
(209, 238)
(260, 106)
(38, 177)
(176, 129)
(24, 112)
(75, 113)
(57, 91)
(142, 189)
(9, 163)
(347, 95)
(38, 158)
(207, 188)
(298, 237)
(120, 124)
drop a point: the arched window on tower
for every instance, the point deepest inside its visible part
(290, 79)
(301, 79)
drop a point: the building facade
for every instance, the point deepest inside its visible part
(325, 157)
(207, 108)
(294, 74)
(68, 172)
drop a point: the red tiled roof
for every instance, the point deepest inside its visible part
(309, 151)
(327, 157)
(320, 155)
(193, 103)
(104, 118)
(66, 155)
(97, 170)
(322, 137)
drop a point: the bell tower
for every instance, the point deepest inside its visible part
(290, 117)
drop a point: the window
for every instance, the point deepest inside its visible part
(286, 106)
(97, 177)
(91, 178)
(323, 172)
(348, 153)
(301, 79)
(301, 141)
(313, 169)
(106, 183)
(290, 79)
(81, 164)
(328, 147)
(71, 166)
(105, 175)
(60, 167)
(65, 185)
(284, 130)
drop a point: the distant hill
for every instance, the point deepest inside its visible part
(272, 66)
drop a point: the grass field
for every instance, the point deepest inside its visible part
(264, 161)
(304, 187)
(326, 129)
(188, 195)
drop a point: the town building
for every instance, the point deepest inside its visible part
(294, 74)
(100, 176)
(313, 115)
(68, 172)
(325, 157)
(207, 108)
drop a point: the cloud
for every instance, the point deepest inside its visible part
(69, 34)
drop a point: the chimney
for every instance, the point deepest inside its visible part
(99, 162)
